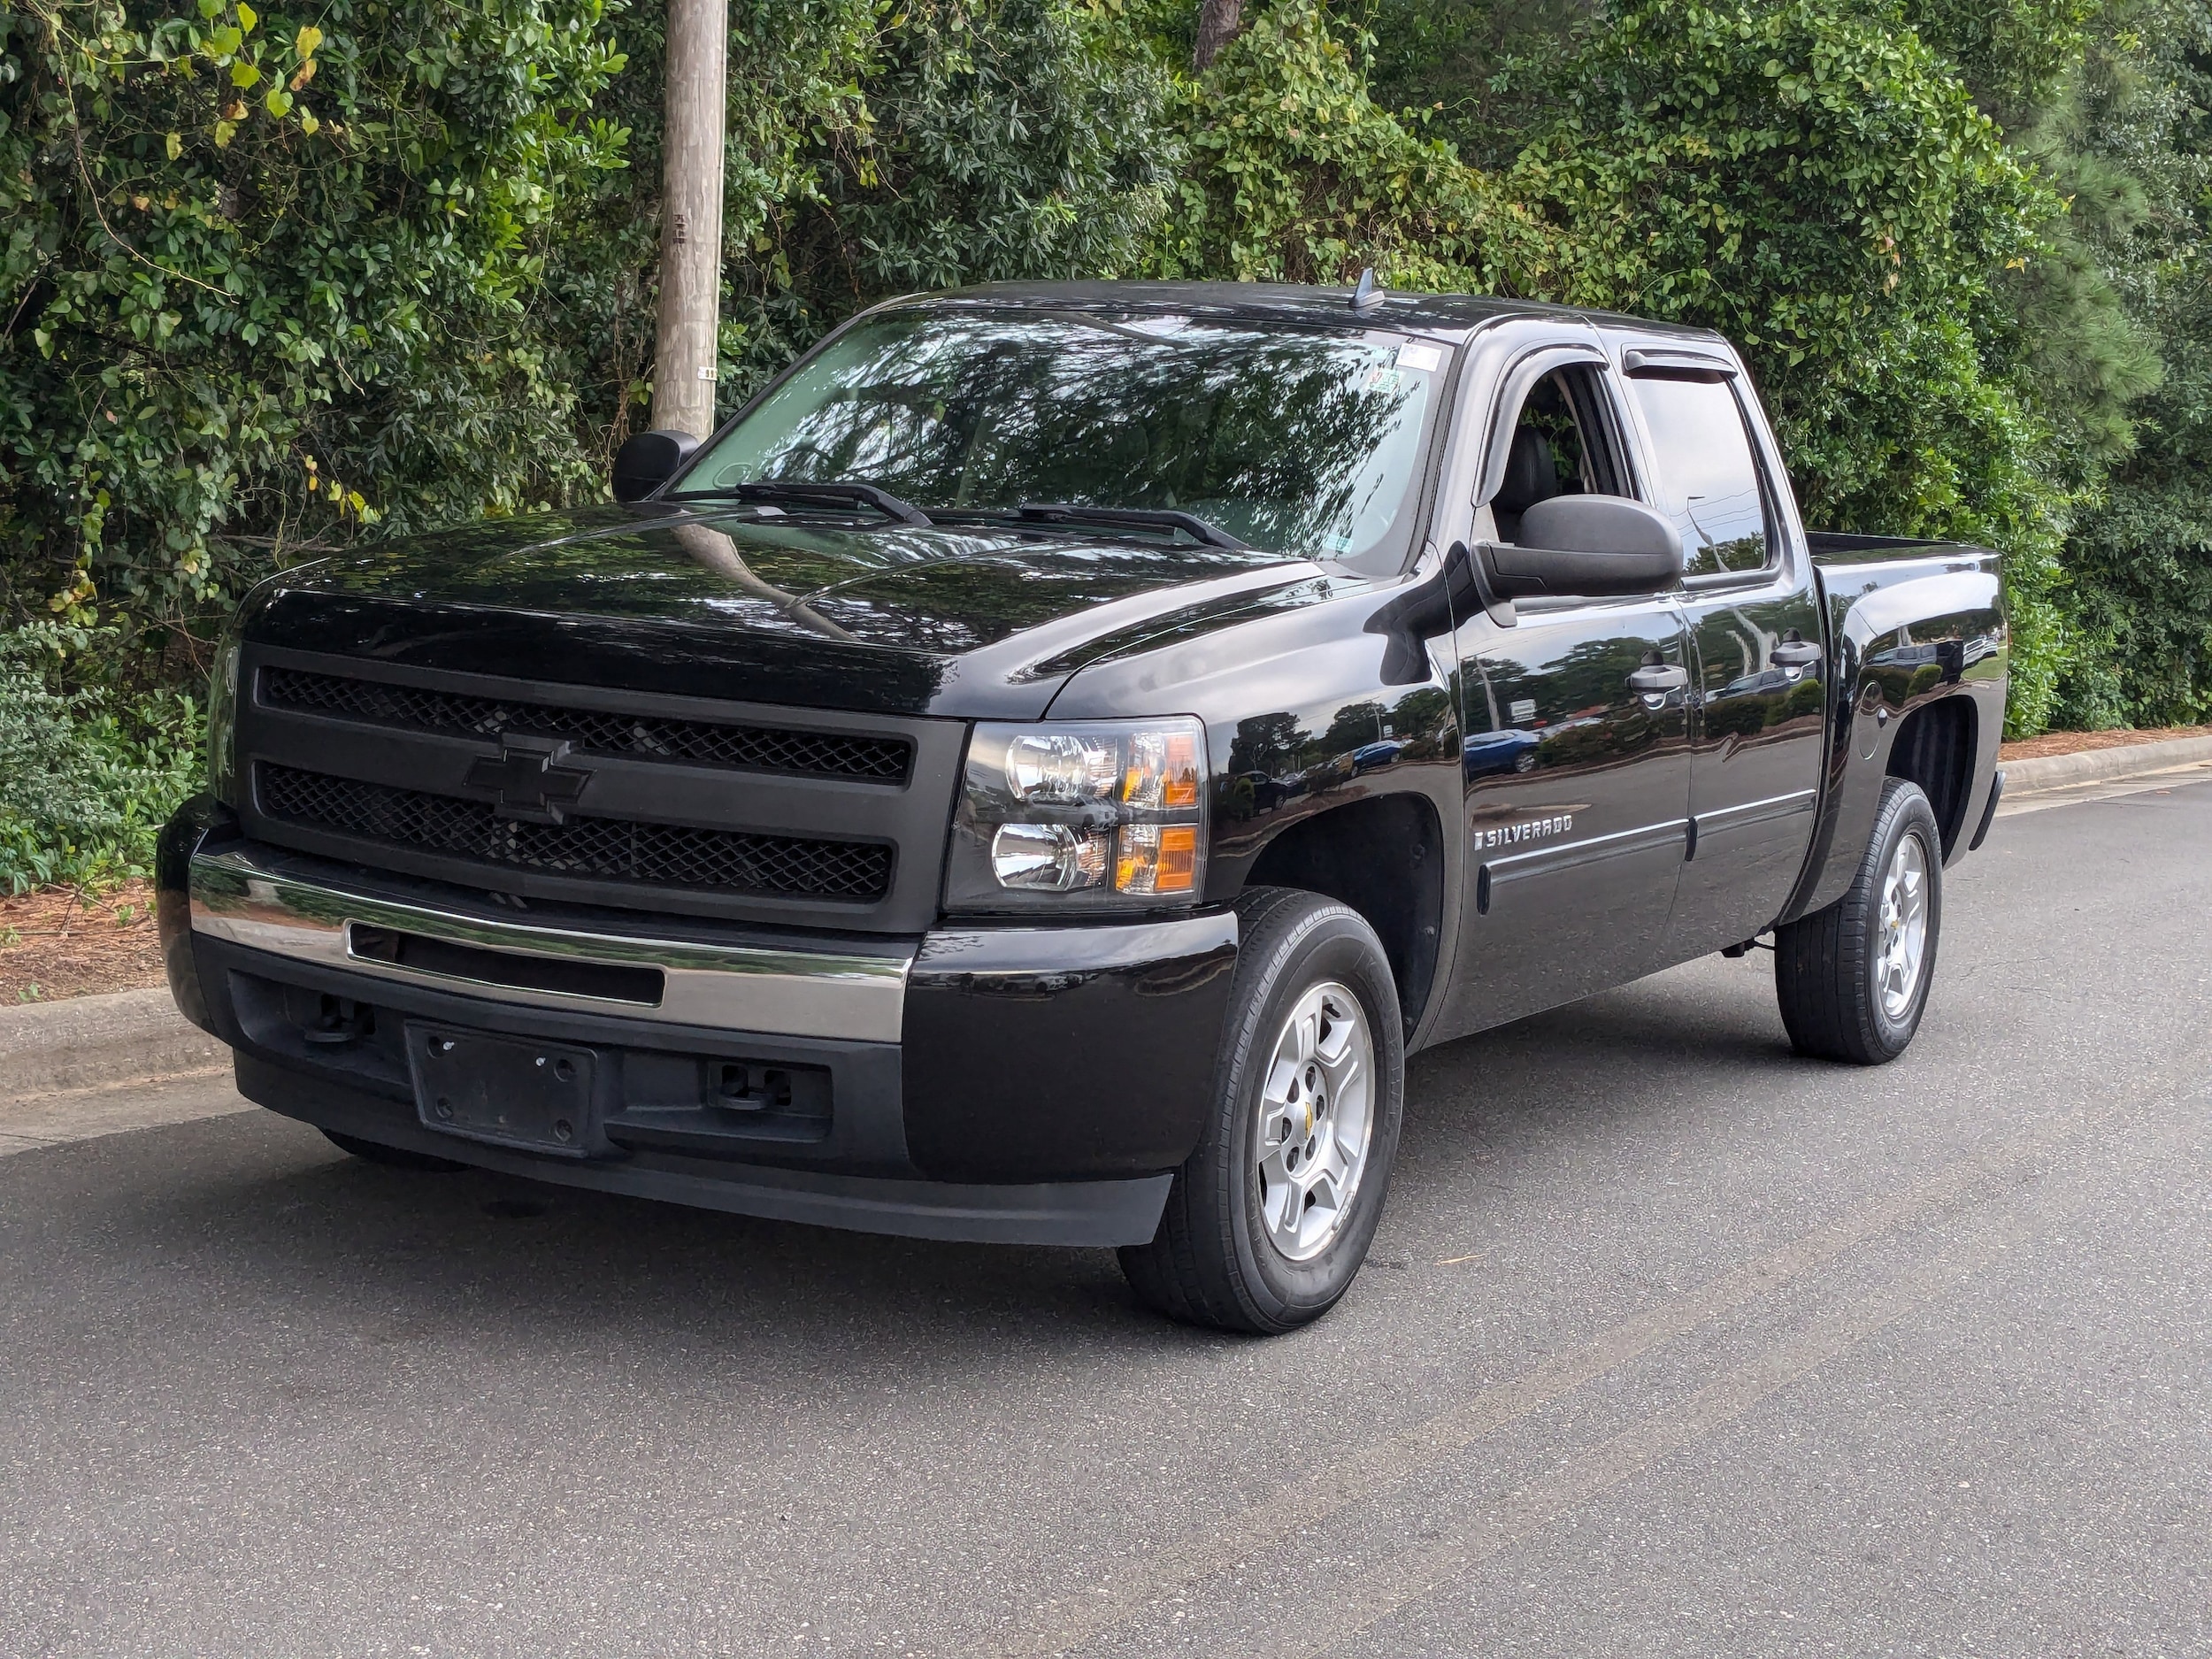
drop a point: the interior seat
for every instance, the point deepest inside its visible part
(1532, 474)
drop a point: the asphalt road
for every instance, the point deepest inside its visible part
(1671, 1343)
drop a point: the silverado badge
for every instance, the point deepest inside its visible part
(1526, 830)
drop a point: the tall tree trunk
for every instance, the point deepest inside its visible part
(685, 366)
(1218, 21)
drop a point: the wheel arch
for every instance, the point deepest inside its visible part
(1935, 748)
(1383, 856)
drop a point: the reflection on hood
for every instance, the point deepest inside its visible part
(780, 608)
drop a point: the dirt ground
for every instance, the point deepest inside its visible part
(60, 941)
(2074, 743)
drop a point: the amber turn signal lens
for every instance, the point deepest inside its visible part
(1178, 851)
(1158, 858)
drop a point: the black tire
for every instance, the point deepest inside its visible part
(392, 1157)
(1826, 965)
(1212, 1262)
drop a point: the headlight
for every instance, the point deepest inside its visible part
(1087, 815)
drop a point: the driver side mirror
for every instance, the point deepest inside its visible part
(649, 459)
(1589, 547)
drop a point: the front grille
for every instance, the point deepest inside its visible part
(656, 855)
(702, 743)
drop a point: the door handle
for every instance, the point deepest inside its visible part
(1657, 679)
(1794, 654)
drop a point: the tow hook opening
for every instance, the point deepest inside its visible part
(327, 1020)
(752, 1087)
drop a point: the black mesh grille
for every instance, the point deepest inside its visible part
(754, 748)
(594, 849)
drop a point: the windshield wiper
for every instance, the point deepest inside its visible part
(1132, 519)
(773, 491)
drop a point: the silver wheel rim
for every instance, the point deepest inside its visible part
(1317, 1118)
(1904, 940)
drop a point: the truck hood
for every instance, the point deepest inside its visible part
(970, 621)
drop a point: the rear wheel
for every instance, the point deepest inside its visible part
(391, 1158)
(1853, 979)
(1269, 1219)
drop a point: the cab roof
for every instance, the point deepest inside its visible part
(1452, 315)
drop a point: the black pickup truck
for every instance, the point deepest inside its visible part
(1036, 772)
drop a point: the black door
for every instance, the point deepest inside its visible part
(1756, 631)
(1578, 770)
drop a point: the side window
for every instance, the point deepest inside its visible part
(1564, 445)
(1708, 482)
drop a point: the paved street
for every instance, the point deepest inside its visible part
(1672, 1344)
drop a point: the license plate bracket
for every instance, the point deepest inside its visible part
(506, 1090)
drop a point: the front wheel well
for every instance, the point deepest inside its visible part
(1934, 747)
(1384, 857)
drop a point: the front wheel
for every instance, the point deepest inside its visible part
(1853, 979)
(1270, 1218)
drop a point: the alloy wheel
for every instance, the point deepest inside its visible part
(1904, 921)
(1316, 1121)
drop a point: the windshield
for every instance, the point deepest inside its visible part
(1298, 441)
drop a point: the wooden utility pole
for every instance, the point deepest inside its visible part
(684, 363)
(1218, 21)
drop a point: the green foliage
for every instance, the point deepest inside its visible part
(87, 775)
(1003, 141)
(2133, 134)
(872, 151)
(2011, 54)
(1797, 174)
(1464, 66)
(268, 281)
(1296, 175)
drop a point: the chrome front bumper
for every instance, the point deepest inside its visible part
(972, 1078)
(238, 897)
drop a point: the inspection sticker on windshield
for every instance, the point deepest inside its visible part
(1413, 355)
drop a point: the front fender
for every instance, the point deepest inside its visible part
(1307, 710)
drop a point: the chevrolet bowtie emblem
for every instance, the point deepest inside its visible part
(526, 783)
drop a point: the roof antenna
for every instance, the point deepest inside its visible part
(1367, 294)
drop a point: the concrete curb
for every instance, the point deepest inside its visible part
(2091, 765)
(84, 1041)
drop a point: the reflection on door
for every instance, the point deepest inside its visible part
(1577, 769)
(1755, 773)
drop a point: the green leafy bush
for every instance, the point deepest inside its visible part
(2133, 133)
(270, 279)
(873, 151)
(1296, 175)
(87, 774)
